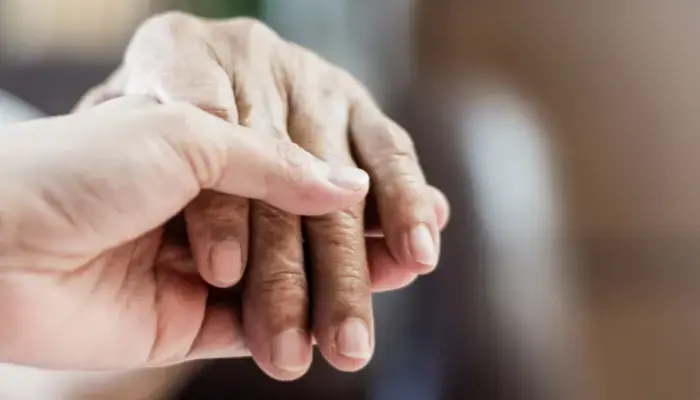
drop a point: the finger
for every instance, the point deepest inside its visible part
(407, 215)
(220, 336)
(187, 327)
(217, 226)
(235, 160)
(110, 89)
(342, 318)
(442, 213)
(170, 59)
(275, 307)
(217, 223)
(276, 304)
(385, 272)
(190, 327)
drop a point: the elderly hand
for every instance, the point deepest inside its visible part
(242, 71)
(88, 278)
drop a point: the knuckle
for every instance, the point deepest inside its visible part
(340, 222)
(308, 69)
(347, 81)
(403, 150)
(353, 214)
(200, 82)
(404, 187)
(280, 285)
(395, 138)
(217, 206)
(169, 21)
(192, 136)
(219, 217)
(402, 162)
(338, 236)
(405, 204)
(395, 156)
(256, 26)
(253, 28)
(274, 216)
(276, 229)
(249, 23)
(398, 170)
(353, 284)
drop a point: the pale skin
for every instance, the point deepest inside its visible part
(242, 72)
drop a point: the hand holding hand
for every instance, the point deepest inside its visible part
(242, 71)
(88, 279)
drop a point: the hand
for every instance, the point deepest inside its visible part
(87, 278)
(242, 71)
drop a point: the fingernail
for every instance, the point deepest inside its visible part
(422, 245)
(226, 263)
(349, 178)
(289, 350)
(353, 339)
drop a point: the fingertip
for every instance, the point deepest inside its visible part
(290, 355)
(352, 346)
(421, 248)
(220, 336)
(401, 279)
(217, 234)
(422, 245)
(327, 191)
(349, 178)
(442, 206)
(226, 264)
(340, 187)
(354, 340)
(386, 273)
(412, 231)
(286, 176)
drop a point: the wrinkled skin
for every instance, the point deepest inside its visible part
(243, 72)
(89, 278)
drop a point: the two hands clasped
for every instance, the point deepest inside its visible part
(233, 132)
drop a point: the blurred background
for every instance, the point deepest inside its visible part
(489, 324)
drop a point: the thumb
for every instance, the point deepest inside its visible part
(236, 160)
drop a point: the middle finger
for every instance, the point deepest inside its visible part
(342, 306)
(275, 305)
